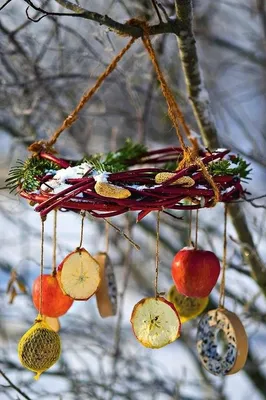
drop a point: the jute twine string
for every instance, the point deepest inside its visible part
(197, 229)
(222, 287)
(189, 228)
(41, 267)
(176, 116)
(43, 145)
(174, 112)
(54, 242)
(83, 214)
(157, 259)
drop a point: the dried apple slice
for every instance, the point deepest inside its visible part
(155, 322)
(79, 275)
(54, 323)
(106, 295)
(187, 307)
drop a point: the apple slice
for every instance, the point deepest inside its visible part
(79, 275)
(54, 323)
(187, 307)
(106, 295)
(155, 322)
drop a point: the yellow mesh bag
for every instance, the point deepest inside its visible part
(39, 348)
(187, 307)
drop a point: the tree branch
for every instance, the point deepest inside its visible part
(121, 29)
(5, 4)
(14, 386)
(201, 108)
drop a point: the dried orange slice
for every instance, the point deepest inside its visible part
(54, 323)
(79, 275)
(106, 295)
(187, 307)
(155, 322)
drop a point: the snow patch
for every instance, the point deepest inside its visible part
(103, 177)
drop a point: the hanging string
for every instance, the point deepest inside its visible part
(107, 231)
(176, 116)
(222, 287)
(54, 242)
(40, 145)
(189, 228)
(196, 229)
(82, 230)
(190, 154)
(157, 260)
(41, 267)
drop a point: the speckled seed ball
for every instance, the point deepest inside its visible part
(235, 342)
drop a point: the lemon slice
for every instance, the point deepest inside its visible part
(54, 323)
(155, 322)
(106, 295)
(79, 275)
(187, 307)
(39, 348)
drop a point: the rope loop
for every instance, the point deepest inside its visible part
(190, 153)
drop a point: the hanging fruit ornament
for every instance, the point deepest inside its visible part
(195, 272)
(54, 302)
(106, 295)
(222, 326)
(222, 342)
(54, 323)
(79, 275)
(187, 307)
(155, 322)
(39, 348)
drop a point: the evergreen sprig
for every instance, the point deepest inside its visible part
(236, 166)
(24, 175)
(119, 160)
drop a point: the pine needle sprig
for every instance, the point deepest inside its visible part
(24, 175)
(236, 166)
(119, 160)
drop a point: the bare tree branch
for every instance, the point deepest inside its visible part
(201, 108)
(121, 29)
(5, 4)
(14, 386)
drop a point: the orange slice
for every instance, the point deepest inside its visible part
(155, 322)
(187, 307)
(79, 275)
(106, 295)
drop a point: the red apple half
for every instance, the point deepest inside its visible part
(195, 272)
(155, 322)
(79, 275)
(54, 302)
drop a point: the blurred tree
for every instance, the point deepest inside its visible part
(50, 52)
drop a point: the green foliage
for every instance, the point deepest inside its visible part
(24, 175)
(236, 166)
(119, 160)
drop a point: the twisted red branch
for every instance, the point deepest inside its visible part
(146, 195)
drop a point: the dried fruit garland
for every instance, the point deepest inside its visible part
(113, 186)
(185, 178)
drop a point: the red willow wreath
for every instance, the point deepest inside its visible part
(183, 189)
(195, 180)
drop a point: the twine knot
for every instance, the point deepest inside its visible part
(41, 145)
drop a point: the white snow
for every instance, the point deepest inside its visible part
(57, 183)
(102, 177)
